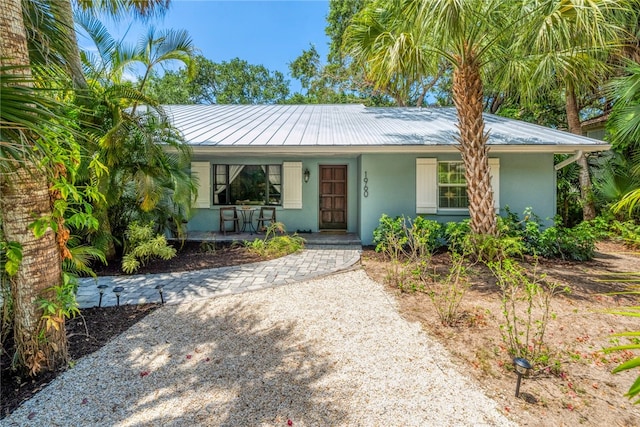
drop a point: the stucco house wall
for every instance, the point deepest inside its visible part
(397, 150)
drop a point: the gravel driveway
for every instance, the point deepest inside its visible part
(327, 352)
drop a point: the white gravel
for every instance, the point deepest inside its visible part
(328, 352)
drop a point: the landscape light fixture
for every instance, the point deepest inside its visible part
(307, 174)
(118, 290)
(159, 288)
(101, 288)
(522, 367)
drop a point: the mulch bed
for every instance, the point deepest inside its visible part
(86, 333)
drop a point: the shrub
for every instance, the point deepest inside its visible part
(446, 293)
(274, 245)
(484, 248)
(493, 248)
(143, 244)
(526, 306)
(388, 229)
(626, 231)
(456, 234)
(409, 244)
(405, 237)
(576, 244)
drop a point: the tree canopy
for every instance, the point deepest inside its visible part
(233, 82)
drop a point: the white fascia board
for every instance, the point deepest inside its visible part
(333, 150)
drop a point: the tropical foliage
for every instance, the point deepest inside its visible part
(70, 139)
(143, 243)
(146, 182)
(233, 82)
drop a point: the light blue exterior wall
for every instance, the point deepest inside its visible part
(526, 180)
(306, 218)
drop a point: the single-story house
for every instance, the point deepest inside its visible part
(596, 126)
(340, 167)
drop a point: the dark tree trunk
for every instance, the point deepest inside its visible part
(573, 121)
(64, 14)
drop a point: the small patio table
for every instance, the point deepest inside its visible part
(247, 219)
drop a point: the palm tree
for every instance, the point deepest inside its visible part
(567, 45)
(63, 11)
(155, 50)
(625, 127)
(466, 34)
(389, 49)
(540, 41)
(145, 181)
(24, 194)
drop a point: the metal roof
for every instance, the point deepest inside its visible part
(323, 127)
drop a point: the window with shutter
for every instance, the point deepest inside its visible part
(442, 185)
(494, 168)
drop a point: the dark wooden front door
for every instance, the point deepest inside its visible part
(333, 197)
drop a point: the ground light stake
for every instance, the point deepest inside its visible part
(118, 290)
(101, 288)
(522, 367)
(159, 288)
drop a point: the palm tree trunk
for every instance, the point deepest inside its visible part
(467, 97)
(24, 195)
(573, 120)
(64, 14)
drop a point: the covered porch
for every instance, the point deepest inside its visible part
(319, 238)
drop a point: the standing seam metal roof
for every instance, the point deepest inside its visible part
(348, 125)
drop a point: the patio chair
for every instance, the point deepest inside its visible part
(229, 214)
(267, 215)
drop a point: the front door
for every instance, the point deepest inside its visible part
(333, 197)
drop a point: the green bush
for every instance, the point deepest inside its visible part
(576, 244)
(275, 243)
(456, 235)
(446, 292)
(483, 248)
(142, 244)
(628, 232)
(407, 237)
(492, 248)
(526, 307)
(524, 236)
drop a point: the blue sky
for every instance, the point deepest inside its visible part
(271, 33)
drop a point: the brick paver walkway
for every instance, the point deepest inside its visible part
(187, 286)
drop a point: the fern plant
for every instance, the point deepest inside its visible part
(143, 244)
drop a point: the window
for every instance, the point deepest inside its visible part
(452, 186)
(442, 185)
(247, 184)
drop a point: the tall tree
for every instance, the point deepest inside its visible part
(567, 45)
(406, 36)
(24, 196)
(141, 9)
(156, 50)
(389, 46)
(568, 39)
(145, 181)
(233, 82)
